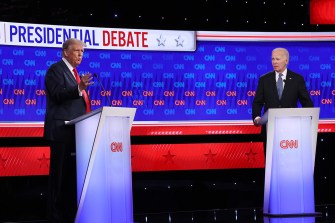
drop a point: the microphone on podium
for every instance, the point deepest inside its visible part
(97, 77)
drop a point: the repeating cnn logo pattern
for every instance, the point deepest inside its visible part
(288, 144)
(116, 147)
(216, 82)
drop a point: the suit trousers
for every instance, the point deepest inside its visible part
(62, 197)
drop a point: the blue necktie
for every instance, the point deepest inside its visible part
(280, 85)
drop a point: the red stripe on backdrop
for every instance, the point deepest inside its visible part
(194, 129)
(204, 156)
(33, 161)
(218, 128)
(17, 129)
(24, 161)
(36, 130)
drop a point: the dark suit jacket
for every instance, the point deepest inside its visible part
(63, 103)
(266, 94)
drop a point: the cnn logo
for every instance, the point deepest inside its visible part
(288, 144)
(116, 147)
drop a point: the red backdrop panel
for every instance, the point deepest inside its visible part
(322, 11)
(24, 161)
(30, 161)
(204, 156)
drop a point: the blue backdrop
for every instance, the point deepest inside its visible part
(216, 82)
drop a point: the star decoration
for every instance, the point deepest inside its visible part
(180, 41)
(161, 40)
(251, 155)
(169, 157)
(2, 162)
(44, 161)
(210, 156)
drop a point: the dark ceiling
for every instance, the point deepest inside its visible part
(205, 15)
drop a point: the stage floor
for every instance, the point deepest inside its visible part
(241, 215)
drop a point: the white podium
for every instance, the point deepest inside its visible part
(103, 156)
(290, 157)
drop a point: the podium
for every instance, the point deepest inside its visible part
(104, 174)
(290, 157)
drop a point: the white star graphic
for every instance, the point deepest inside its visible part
(180, 41)
(161, 40)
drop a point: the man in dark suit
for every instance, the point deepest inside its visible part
(64, 102)
(294, 89)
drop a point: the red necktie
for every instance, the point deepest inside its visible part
(87, 101)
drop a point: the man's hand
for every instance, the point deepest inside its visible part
(257, 120)
(85, 81)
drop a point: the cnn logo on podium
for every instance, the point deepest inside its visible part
(116, 147)
(288, 144)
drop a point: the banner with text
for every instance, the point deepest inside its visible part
(23, 34)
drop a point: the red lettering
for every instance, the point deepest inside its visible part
(124, 39)
(116, 147)
(114, 38)
(131, 40)
(288, 144)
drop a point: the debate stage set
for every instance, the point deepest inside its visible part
(170, 137)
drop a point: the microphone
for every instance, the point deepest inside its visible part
(97, 77)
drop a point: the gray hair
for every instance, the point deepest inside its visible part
(283, 50)
(71, 41)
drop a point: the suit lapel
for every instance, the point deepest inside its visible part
(68, 74)
(273, 84)
(288, 81)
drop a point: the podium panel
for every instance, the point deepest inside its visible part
(289, 169)
(104, 176)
